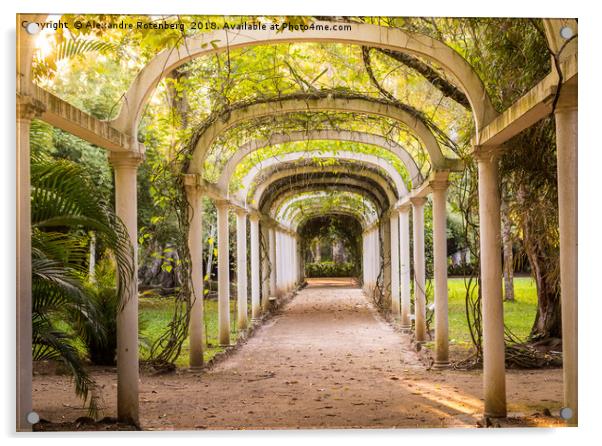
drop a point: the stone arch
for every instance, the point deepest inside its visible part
(329, 103)
(336, 135)
(379, 180)
(400, 186)
(284, 214)
(357, 188)
(455, 66)
(312, 211)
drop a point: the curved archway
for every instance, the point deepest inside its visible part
(330, 102)
(358, 189)
(359, 34)
(273, 201)
(247, 181)
(371, 175)
(337, 135)
(318, 200)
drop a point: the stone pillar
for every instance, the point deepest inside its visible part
(223, 273)
(265, 266)
(27, 110)
(394, 224)
(386, 247)
(195, 246)
(566, 152)
(439, 188)
(494, 375)
(272, 259)
(419, 268)
(404, 266)
(125, 165)
(255, 275)
(241, 268)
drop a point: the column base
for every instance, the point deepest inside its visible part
(195, 368)
(441, 365)
(406, 328)
(496, 415)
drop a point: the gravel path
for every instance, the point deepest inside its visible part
(326, 361)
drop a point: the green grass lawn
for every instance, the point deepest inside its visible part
(156, 313)
(518, 315)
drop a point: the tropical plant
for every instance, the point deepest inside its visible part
(64, 207)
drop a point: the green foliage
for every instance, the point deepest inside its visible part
(330, 269)
(64, 206)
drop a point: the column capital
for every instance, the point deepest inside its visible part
(192, 180)
(241, 212)
(254, 216)
(404, 208)
(125, 159)
(29, 108)
(567, 98)
(487, 153)
(418, 201)
(438, 180)
(222, 203)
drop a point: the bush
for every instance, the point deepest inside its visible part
(466, 269)
(330, 269)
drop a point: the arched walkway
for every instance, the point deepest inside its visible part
(275, 264)
(336, 364)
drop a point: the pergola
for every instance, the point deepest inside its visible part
(279, 194)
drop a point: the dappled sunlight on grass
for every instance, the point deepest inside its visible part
(518, 315)
(156, 313)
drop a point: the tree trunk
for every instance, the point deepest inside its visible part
(508, 255)
(548, 317)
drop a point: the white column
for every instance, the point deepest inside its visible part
(255, 277)
(419, 268)
(293, 268)
(404, 267)
(494, 376)
(386, 234)
(375, 254)
(223, 273)
(125, 165)
(265, 266)
(440, 266)
(272, 259)
(195, 246)
(26, 111)
(395, 274)
(241, 268)
(566, 152)
(277, 272)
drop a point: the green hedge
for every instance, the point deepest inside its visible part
(330, 269)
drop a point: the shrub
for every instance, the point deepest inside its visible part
(330, 269)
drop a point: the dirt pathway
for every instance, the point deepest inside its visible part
(327, 360)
